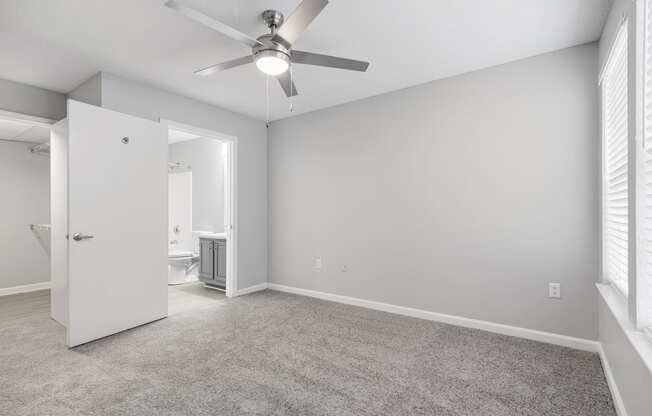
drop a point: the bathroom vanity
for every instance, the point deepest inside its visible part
(212, 261)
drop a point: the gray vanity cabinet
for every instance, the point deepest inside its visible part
(212, 261)
(205, 259)
(220, 260)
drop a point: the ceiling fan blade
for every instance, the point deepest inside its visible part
(210, 70)
(309, 58)
(298, 21)
(284, 80)
(212, 23)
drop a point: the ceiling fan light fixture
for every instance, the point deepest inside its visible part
(273, 52)
(272, 62)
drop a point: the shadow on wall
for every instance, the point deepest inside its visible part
(42, 234)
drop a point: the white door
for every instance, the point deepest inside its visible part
(117, 222)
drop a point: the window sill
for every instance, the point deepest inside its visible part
(618, 306)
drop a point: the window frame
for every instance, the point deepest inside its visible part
(640, 298)
(631, 170)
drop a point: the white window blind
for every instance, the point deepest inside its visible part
(615, 165)
(644, 294)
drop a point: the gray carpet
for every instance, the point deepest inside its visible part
(272, 353)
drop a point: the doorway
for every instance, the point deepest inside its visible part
(109, 243)
(202, 206)
(25, 213)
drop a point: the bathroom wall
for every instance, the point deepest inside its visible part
(180, 212)
(25, 191)
(206, 160)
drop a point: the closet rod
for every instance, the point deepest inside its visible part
(18, 141)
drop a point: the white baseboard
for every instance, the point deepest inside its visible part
(613, 387)
(24, 288)
(251, 289)
(548, 337)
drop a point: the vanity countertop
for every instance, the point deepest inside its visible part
(213, 236)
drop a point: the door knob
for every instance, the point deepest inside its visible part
(80, 237)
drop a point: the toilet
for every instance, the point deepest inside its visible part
(178, 266)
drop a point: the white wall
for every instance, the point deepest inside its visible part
(25, 193)
(26, 99)
(463, 196)
(206, 158)
(145, 101)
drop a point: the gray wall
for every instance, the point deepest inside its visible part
(89, 92)
(148, 102)
(463, 196)
(25, 190)
(25, 99)
(206, 158)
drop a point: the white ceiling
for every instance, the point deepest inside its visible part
(57, 44)
(23, 131)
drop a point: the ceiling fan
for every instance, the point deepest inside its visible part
(272, 52)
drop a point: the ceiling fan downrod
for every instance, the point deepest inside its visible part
(273, 19)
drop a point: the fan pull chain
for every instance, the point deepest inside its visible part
(267, 100)
(291, 89)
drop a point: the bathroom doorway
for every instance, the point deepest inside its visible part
(201, 211)
(92, 150)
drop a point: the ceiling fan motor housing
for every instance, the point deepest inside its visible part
(270, 48)
(273, 19)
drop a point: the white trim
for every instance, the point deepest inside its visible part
(640, 309)
(623, 19)
(618, 307)
(251, 289)
(232, 227)
(26, 118)
(215, 288)
(531, 334)
(199, 131)
(232, 220)
(619, 404)
(24, 288)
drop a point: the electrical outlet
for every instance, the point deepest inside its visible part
(318, 263)
(554, 290)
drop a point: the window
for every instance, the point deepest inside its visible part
(627, 165)
(615, 165)
(644, 293)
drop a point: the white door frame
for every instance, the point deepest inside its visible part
(231, 227)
